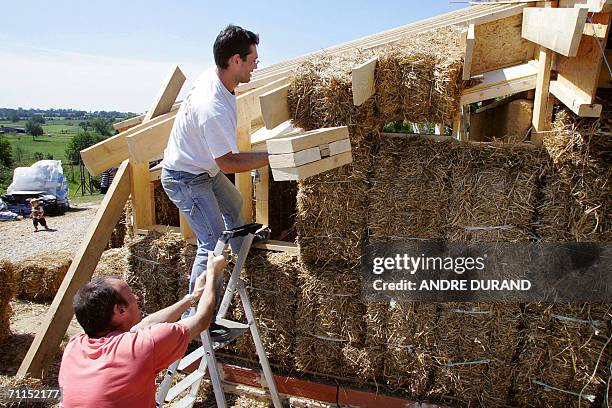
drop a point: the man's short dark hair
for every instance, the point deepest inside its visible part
(231, 41)
(94, 303)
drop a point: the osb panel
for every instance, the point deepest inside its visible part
(581, 73)
(499, 44)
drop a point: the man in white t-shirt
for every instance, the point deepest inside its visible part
(202, 146)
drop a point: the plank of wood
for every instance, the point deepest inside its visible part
(310, 169)
(306, 140)
(339, 146)
(274, 106)
(283, 130)
(142, 205)
(279, 246)
(244, 181)
(43, 349)
(262, 193)
(112, 151)
(502, 82)
(295, 159)
(574, 101)
(581, 73)
(137, 120)
(539, 119)
(470, 39)
(247, 104)
(599, 6)
(363, 81)
(167, 94)
(149, 143)
(559, 29)
(184, 227)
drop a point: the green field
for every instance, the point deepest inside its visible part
(52, 144)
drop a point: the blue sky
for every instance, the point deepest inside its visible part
(113, 55)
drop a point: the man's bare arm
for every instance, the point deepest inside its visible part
(241, 162)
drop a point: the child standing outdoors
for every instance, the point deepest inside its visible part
(37, 214)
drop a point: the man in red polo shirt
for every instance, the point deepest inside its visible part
(115, 362)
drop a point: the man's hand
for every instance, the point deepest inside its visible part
(215, 266)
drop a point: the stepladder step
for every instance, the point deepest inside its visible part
(184, 384)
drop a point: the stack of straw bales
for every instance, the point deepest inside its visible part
(6, 293)
(152, 269)
(39, 278)
(113, 262)
(270, 278)
(566, 357)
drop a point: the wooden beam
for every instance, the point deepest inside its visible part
(262, 193)
(295, 159)
(539, 119)
(283, 130)
(48, 338)
(184, 227)
(581, 73)
(470, 39)
(114, 150)
(306, 140)
(559, 29)
(502, 82)
(167, 94)
(159, 228)
(244, 181)
(274, 106)
(149, 143)
(572, 100)
(137, 120)
(363, 81)
(248, 106)
(310, 169)
(142, 205)
(279, 246)
(599, 6)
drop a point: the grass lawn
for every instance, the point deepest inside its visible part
(52, 144)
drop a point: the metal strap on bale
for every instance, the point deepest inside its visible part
(460, 363)
(588, 397)
(492, 228)
(472, 312)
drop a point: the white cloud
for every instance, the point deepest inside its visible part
(42, 78)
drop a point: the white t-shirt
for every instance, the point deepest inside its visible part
(204, 128)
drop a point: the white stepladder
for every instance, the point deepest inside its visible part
(166, 393)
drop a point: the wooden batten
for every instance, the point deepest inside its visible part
(274, 106)
(310, 169)
(167, 94)
(558, 29)
(572, 100)
(363, 81)
(470, 39)
(306, 140)
(295, 159)
(502, 82)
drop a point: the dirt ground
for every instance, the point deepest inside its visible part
(19, 241)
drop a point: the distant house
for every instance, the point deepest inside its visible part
(9, 129)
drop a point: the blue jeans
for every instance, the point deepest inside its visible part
(211, 205)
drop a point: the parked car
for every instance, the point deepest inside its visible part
(19, 202)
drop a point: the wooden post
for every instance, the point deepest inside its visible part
(48, 338)
(244, 183)
(143, 210)
(540, 119)
(261, 196)
(186, 231)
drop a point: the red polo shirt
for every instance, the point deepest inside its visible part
(119, 370)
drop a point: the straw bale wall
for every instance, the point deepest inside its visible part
(6, 293)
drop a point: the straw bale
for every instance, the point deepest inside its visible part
(320, 93)
(113, 262)
(565, 348)
(419, 79)
(329, 320)
(39, 278)
(371, 357)
(494, 188)
(281, 208)
(412, 337)
(576, 204)
(7, 289)
(152, 269)
(166, 212)
(118, 235)
(410, 189)
(331, 211)
(250, 402)
(271, 281)
(473, 358)
(188, 254)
